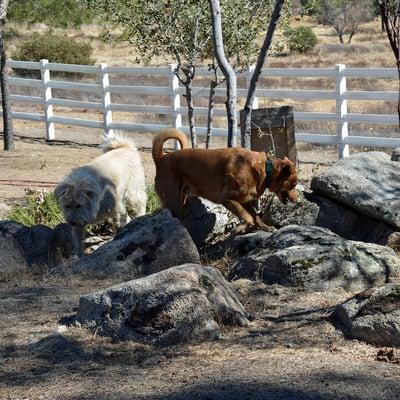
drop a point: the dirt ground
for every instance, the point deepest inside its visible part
(37, 165)
(291, 350)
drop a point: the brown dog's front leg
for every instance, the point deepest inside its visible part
(257, 219)
(237, 209)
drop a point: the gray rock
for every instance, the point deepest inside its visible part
(396, 154)
(303, 212)
(33, 241)
(12, 259)
(315, 259)
(368, 182)
(311, 209)
(58, 348)
(183, 303)
(146, 245)
(65, 244)
(237, 246)
(372, 316)
(206, 221)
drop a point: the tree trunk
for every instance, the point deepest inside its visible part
(211, 101)
(5, 90)
(189, 101)
(398, 97)
(246, 129)
(350, 37)
(391, 22)
(227, 70)
(340, 37)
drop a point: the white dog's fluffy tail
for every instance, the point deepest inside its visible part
(116, 142)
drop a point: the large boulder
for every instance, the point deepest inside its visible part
(12, 259)
(236, 245)
(368, 182)
(315, 259)
(146, 245)
(311, 209)
(372, 316)
(207, 222)
(32, 241)
(183, 303)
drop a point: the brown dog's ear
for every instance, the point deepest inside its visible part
(286, 171)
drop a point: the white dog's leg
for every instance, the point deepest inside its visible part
(139, 203)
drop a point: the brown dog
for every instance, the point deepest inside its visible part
(234, 177)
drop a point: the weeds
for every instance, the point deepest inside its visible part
(153, 202)
(40, 208)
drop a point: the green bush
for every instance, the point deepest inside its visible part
(153, 202)
(40, 208)
(55, 48)
(301, 39)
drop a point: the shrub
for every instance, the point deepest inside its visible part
(40, 208)
(55, 48)
(301, 39)
(153, 202)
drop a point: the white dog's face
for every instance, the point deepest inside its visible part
(79, 201)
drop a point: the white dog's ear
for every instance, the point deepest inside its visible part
(92, 190)
(61, 190)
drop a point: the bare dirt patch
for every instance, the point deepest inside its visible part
(290, 351)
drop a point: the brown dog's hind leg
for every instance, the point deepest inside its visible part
(172, 200)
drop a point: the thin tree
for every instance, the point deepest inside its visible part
(227, 70)
(5, 90)
(390, 13)
(242, 22)
(211, 100)
(177, 29)
(345, 16)
(246, 133)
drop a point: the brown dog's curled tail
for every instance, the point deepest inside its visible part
(162, 137)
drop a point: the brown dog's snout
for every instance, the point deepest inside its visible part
(292, 195)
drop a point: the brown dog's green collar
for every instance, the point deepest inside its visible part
(268, 173)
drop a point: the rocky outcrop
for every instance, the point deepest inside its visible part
(372, 316)
(207, 221)
(188, 302)
(146, 245)
(315, 259)
(367, 182)
(311, 209)
(30, 241)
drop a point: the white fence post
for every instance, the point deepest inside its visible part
(176, 101)
(107, 113)
(249, 74)
(48, 108)
(342, 129)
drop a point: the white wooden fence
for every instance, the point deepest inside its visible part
(175, 110)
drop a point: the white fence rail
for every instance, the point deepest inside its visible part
(104, 90)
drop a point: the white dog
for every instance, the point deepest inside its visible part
(104, 187)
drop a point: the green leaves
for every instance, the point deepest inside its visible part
(55, 13)
(182, 28)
